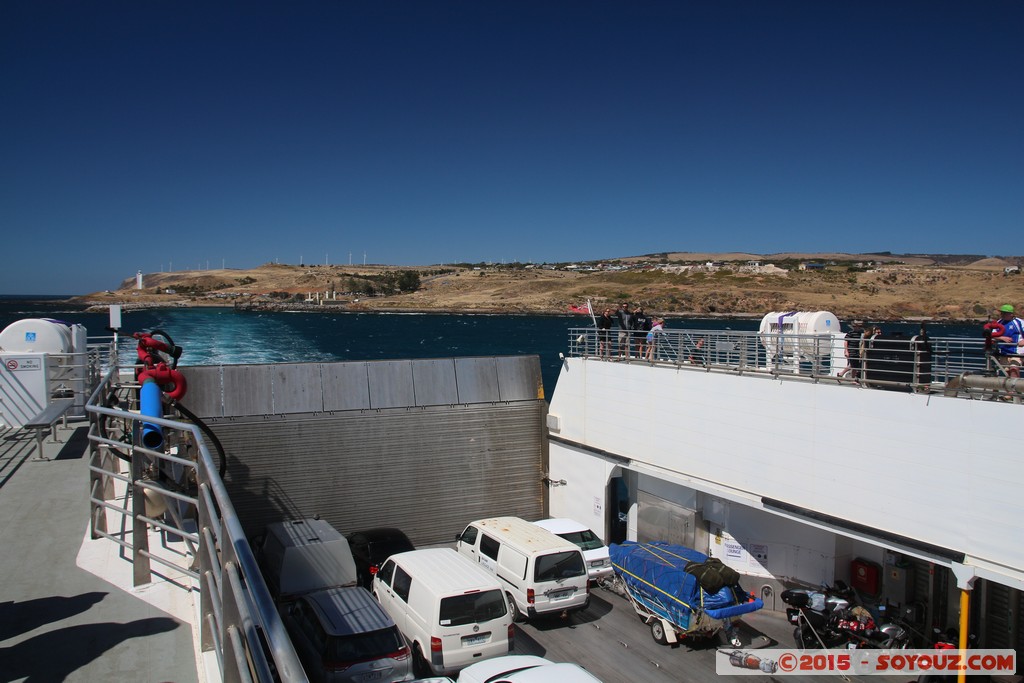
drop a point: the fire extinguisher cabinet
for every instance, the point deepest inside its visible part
(866, 576)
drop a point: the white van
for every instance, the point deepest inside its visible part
(595, 552)
(303, 555)
(540, 572)
(451, 612)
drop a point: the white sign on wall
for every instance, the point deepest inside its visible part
(758, 554)
(23, 364)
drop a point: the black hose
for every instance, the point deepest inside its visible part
(175, 351)
(102, 424)
(170, 342)
(208, 432)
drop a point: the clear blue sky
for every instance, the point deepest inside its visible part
(141, 134)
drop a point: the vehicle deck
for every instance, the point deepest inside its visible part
(610, 641)
(68, 611)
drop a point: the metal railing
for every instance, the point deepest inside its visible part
(950, 365)
(178, 491)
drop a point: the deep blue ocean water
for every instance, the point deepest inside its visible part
(223, 335)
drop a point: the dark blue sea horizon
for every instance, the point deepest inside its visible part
(211, 336)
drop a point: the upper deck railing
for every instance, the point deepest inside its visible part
(952, 366)
(178, 491)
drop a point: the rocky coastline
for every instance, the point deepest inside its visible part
(342, 308)
(926, 290)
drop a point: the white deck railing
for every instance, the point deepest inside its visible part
(950, 365)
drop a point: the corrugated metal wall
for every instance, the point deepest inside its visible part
(424, 445)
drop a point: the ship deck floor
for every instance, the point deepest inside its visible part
(610, 641)
(67, 609)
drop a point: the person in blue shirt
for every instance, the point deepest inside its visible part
(1009, 344)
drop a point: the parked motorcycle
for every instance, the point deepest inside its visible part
(864, 631)
(827, 619)
(816, 615)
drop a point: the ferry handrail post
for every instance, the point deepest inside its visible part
(140, 531)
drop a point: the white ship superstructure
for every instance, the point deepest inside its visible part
(903, 479)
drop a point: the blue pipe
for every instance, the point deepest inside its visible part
(151, 405)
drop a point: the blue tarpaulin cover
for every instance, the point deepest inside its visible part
(655, 575)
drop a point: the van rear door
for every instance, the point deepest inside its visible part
(560, 581)
(473, 626)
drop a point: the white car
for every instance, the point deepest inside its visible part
(595, 552)
(525, 669)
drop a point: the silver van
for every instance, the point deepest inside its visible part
(304, 555)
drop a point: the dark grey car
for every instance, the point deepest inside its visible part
(342, 635)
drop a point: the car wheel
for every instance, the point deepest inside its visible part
(513, 608)
(658, 632)
(420, 668)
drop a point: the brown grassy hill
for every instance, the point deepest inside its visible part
(901, 287)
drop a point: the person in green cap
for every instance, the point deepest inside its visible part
(1009, 344)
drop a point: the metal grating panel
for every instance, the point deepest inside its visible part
(999, 615)
(428, 471)
(434, 381)
(290, 388)
(204, 390)
(248, 389)
(519, 378)
(391, 384)
(297, 388)
(478, 380)
(345, 386)
(373, 457)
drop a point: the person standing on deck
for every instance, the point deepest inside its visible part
(604, 334)
(1009, 349)
(624, 319)
(657, 327)
(641, 325)
(854, 346)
